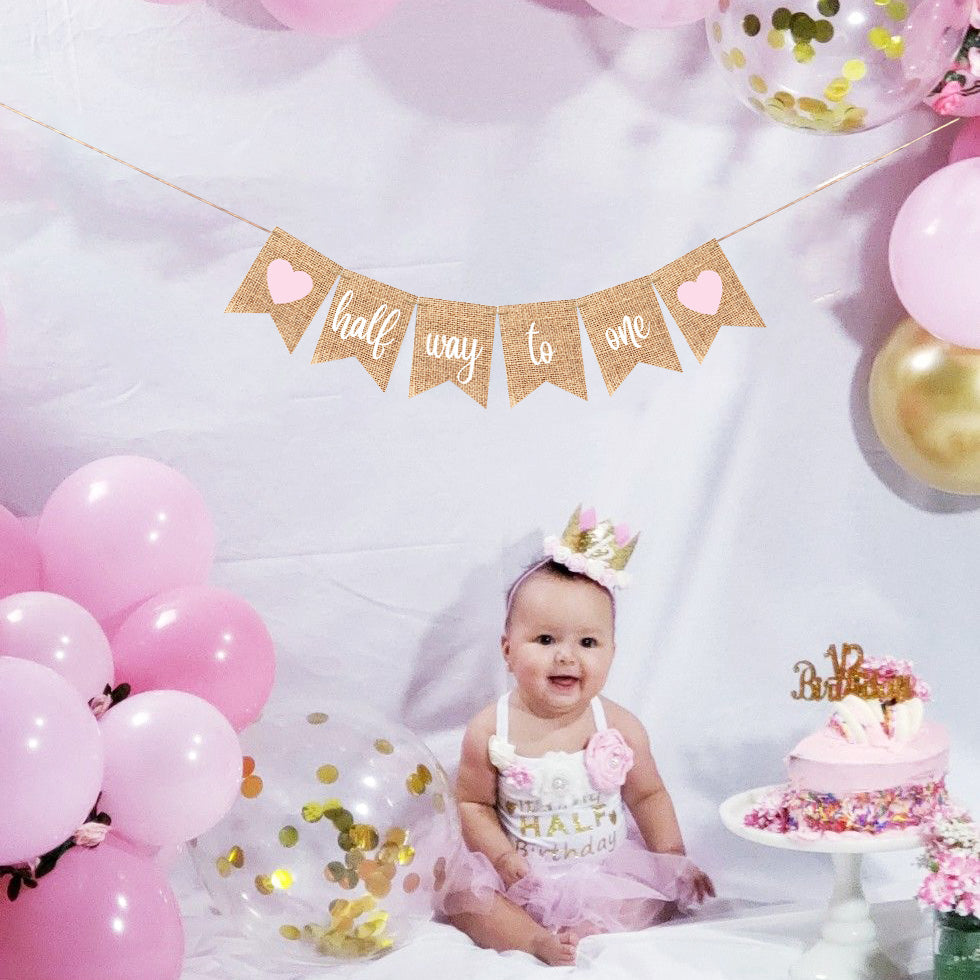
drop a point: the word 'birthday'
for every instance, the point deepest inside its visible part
(849, 677)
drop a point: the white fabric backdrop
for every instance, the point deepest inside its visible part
(494, 152)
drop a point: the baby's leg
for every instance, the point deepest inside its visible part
(507, 926)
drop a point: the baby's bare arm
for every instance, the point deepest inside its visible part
(476, 790)
(644, 791)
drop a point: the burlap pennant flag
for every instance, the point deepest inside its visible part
(288, 280)
(627, 328)
(541, 343)
(453, 342)
(367, 320)
(703, 294)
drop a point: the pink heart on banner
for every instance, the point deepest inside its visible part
(703, 295)
(286, 284)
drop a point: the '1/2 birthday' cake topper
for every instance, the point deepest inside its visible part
(884, 679)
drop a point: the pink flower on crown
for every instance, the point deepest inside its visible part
(607, 760)
(577, 563)
(518, 776)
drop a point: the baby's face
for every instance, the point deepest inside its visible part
(560, 643)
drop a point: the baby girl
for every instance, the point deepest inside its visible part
(546, 770)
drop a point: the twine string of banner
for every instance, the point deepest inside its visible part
(453, 341)
(146, 173)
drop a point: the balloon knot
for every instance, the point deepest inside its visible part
(25, 875)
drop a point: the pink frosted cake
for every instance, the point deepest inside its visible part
(875, 766)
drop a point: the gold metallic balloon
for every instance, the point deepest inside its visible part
(925, 405)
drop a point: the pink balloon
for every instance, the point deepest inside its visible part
(936, 233)
(173, 767)
(967, 142)
(20, 562)
(101, 914)
(163, 857)
(201, 640)
(654, 13)
(30, 522)
(120, 530)
(58, 633)
(50, 760)
(333, 18)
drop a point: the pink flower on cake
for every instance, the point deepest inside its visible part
(518, 776)
(607, 760)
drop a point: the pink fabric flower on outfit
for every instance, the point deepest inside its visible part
(607, 760)
(518, 776)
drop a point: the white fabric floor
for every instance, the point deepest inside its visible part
(496, 152)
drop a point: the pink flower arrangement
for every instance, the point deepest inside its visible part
(607, 760)
(885, 667)
(518, 776)
(953, 858)
(950, 99)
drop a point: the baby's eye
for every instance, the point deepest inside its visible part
(545, 639)
(589, 641)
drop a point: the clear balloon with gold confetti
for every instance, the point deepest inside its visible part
(835, 66)
(338, 841)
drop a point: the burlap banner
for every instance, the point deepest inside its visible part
(541, 343)
(627, 328)
(453, 342)
(289, 280)
(366, 320)
(703, 294)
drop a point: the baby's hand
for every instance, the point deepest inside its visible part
(511, 867)
(701, 883)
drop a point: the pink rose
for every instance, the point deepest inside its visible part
(949, 101)
(518, 776)
(607, 760)
(90, 834)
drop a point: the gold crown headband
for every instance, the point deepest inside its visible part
(598, 549)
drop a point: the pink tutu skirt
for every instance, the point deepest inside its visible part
(629, 889)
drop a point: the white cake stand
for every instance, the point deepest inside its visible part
(849, 948)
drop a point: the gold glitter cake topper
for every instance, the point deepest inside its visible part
(884, 679)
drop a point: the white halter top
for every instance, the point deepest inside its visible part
(547, 805)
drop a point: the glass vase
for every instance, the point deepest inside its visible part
(956, 947)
